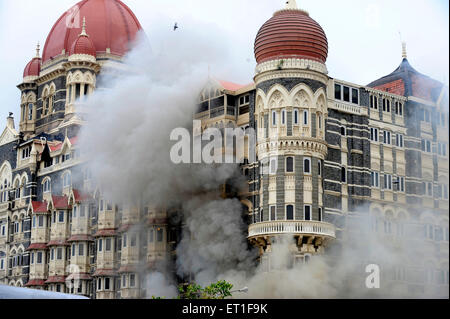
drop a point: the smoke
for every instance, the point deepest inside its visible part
(126, 140)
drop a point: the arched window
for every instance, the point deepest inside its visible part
(274, 118)
(30, 111)
(296, 119)
(307, 165)
(289, 164)
(283, 117)
(289, 212)
(46, 185)
(305, 117)
(66, 180)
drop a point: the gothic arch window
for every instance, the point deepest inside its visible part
(45, 101)
(46, 185)
(67, 179)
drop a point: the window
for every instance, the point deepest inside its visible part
(319, 168)
(426, 146)
(124, 280)
(355, 96)
(39, 257)
(99, 284)
(399, 140)
(34, 222)
(100, 244)
(343, 175)
(337, 92)
(59, 253)
(61, 216)
(346, 94)
(307, 215)
(132, 279)
(319, 120)
(373, 102)
(401, 184)
(320, 214)
(289, 212)
(274, 118)
(47, 185)
(32, 258)
(106, 283)
(283, 117)
(67, 179)
(108, 244)
(151, 235)
(73, 249)
(386, 137)
(159, 234)
(41, 221)
(52, 253)
(374, 134)
(343, 131)
(124, 241)
(375, 176)
(296, 116)
(80, 249)
(305, 117)
(273, 166)
(398, 108)
(26, 152)
(74, 211)
(307, 165)
(387, 181)
(442, 149)
(289, 164)
(273, 212)
(30, 111)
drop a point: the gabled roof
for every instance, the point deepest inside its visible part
(39, 207)
(407, 81)
(60, 202)
(79, 196)
(57, 147)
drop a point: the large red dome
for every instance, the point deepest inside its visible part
(291, 33)
(109, 23)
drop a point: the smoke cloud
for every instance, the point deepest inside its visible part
(126, 140)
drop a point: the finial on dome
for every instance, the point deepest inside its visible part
(38, 48)
(83, 31)
(404, 55)
(291, 4)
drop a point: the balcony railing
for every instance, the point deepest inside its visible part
(305, 227)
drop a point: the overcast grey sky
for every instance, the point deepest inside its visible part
(363, 35)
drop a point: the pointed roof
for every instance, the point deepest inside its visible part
(407, 81)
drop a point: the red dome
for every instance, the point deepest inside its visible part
(33, 68)
(110, 24)
(291, 34)
(83, 45)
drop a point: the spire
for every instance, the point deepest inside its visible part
(404, 56)
(38, 48)
(83, 31)
(291, 4)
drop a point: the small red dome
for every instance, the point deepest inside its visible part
(33, 68)
(83, 45)
(111, 25)
(291, 34)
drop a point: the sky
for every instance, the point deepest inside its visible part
(364, 36)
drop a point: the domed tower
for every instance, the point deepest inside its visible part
(89, 39)
(83, 68)
(290, 111)
(28, 90)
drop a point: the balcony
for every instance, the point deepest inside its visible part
(305, 227)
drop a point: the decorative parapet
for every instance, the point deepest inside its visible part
(307, 227)
(348, 108)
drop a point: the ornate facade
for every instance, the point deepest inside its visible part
(325, 149)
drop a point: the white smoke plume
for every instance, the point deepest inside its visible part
(126, 139)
